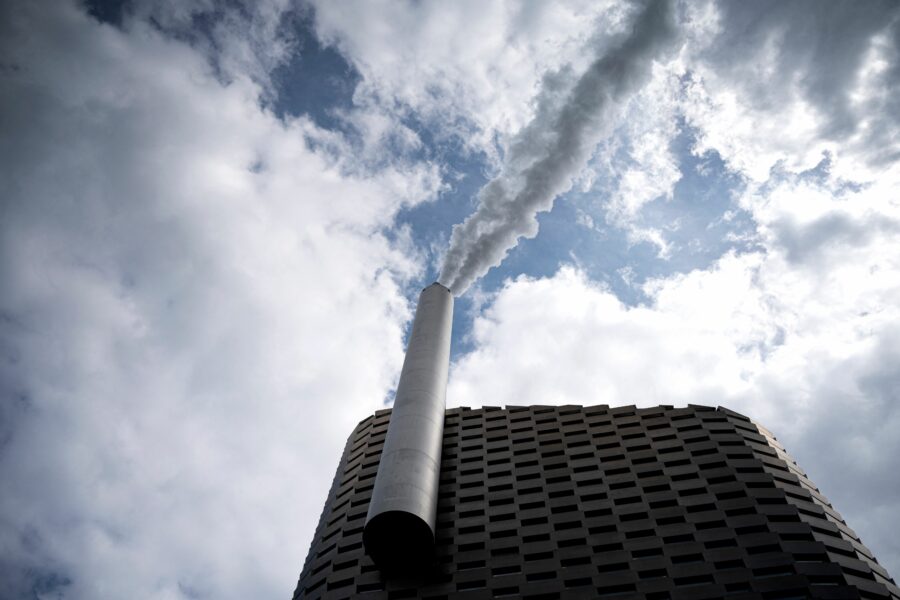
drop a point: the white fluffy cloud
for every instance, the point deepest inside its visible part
(636, 164)
(196, 309)
(472, 67)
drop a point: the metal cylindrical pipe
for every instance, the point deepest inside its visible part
(400, 525)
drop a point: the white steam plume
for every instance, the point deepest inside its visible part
(546, 155)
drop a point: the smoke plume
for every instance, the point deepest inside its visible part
(545, 156)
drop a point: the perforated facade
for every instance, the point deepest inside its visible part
(546, 502)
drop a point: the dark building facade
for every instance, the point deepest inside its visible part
(557, 502)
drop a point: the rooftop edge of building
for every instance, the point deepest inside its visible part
(594, 408)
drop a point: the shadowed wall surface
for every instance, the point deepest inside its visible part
(548, 502)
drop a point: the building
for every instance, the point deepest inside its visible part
(545, 502)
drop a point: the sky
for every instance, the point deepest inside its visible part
(217, 216)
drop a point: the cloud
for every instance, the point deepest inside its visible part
(636, 165)
(768, 90)
(197, 305)
(238, 39)
(769, 84)
(467, 69)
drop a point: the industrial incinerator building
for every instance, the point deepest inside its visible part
(547, 502)
(568, 502)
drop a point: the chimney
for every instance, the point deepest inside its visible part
(399, 531)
